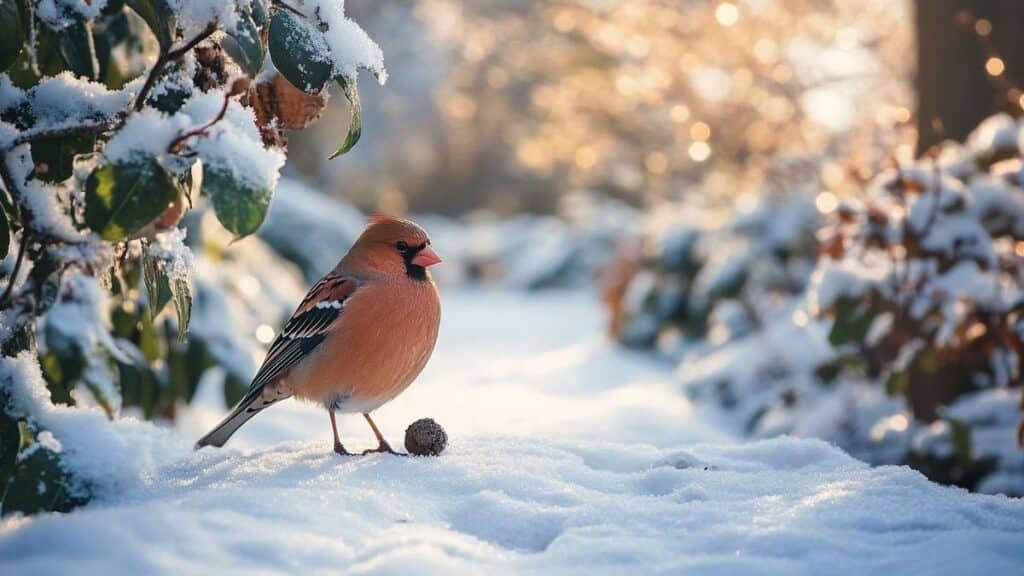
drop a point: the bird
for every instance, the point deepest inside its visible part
(359, 338)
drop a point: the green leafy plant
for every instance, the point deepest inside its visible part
(101, 158)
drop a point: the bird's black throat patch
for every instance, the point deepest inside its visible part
(414, 271)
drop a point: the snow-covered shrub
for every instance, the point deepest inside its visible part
(922, 279)
(718, 274)
(118, 119)
(907, 345)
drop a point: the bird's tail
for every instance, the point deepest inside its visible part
(245, 410)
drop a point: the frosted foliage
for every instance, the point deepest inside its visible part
(344, 43)
(59, 14)
(169, 247)
(924, 263)
(233, 144)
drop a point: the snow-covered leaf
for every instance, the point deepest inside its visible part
(39, 483)
(260, 14)
(10, 32)
(76, 47)
(244, 45)
(122, 197)
(240, 206)
(355, 125)
(158, 16)
(299, 51)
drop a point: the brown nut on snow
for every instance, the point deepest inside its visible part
(425, 437)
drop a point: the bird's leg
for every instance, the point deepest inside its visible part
(383, 445)
(337, 441)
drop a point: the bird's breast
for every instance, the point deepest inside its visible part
(380, 344)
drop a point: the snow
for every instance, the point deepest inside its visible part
(567, 455)
(107, 457)
(232, 144)
(169, 247)
(64, 100)
(351, 49)
(59, 14)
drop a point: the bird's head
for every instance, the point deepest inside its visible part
(395, 247)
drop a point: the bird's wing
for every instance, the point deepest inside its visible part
(307, 327)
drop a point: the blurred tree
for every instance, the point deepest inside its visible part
(957, 85)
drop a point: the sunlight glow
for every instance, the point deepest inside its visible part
(699, 151)
(265, 333)
(826, 202)
(995, 66)
(727, 14)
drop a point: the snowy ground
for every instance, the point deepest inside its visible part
(567, 455)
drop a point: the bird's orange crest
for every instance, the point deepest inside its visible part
(379, 219)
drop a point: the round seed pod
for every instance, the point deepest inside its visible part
(425, 437)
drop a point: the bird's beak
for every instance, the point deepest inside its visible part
(426, 257)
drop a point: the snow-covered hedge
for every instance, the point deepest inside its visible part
(717, 273)
(906, 347)
(120, 124)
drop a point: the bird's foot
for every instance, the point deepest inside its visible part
(339, 449)
(383, 448)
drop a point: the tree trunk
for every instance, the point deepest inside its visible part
(953, 87)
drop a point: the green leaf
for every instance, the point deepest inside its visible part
(355, 124)
(54, 158)
(853, 319)
(122, 197)
(260, 15)
(293, 47)
(159, 17)
(40, 484)
(60, 374)
(109, 31)
(182, 304)
(896, 382)
(48, 60)
(244, 45)
(76, 47)
(239, 206)
(5, 235)
(158, 290)
(12, 38)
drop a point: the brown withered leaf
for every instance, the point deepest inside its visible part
(280, 106)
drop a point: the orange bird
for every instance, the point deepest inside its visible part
(361, 335)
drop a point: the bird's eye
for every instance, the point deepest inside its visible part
(402, 246)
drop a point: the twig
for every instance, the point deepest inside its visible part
(31, 136)
(175, 146)
(163, 60)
